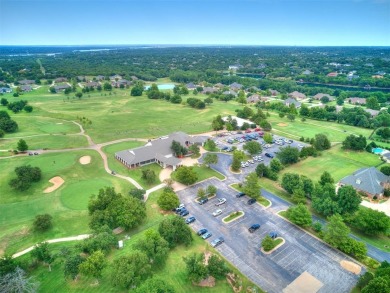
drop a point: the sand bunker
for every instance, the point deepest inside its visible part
(57, 182)
(282, 124)
(85, 160)
(351, 267)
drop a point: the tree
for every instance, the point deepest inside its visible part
(112, 209)
(149, 176)
(8, 265)
(4, 102)
(93, 265)
(211, 189)
(175, 231)
(336, 232)
(377, 285)
(291, 117)
(22, 145)
(210, 158)
(298, 195)
(251, 186)
(208, 101)
(308, 185)
(138, 193)
(107, 86)
(238, 156)
(324, 99)
(275, 165)
(348, 200)
(372, 103)
(265, 124)
(175, 99)
(268, 137)
(195, 267)
(168, 200)
(178, 149)
(299, 215)
(267, 243)
(210, 145)
(252, 147)
(321, 142)
(201, 192)
(42, 253)
(194, 149)
(42, 222)
(137, 90)
(154, 285)
(8, 125)
(356, 143)
(371, 222)
(2, 133)
(217, 123)
(217, 267)
(101, 240)
(154, 246)
(291, 181)
(71, 265)
(130, 270)
(18, 282)
(288, 155)
(186, 175)
(26, 175)
(324, 199)
(28, 108)
(326, 178)
(364, 279)
(79, 95)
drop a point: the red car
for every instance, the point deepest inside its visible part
(258, 129)
(247, 131)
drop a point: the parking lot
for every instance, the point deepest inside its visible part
(275, 271)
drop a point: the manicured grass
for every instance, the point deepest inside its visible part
(67, 205)
(232, 216)
(136, 174)
(276, 242)
(47, 142)
(173, 272)
(261, 200)
(206, 172)
(335, 132)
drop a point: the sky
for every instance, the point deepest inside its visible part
(196, 22)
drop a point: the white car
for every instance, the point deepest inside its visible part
(243, 165)
(217, 213)
(220, 201)
(251, 161)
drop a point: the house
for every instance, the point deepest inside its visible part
(386, 156)
(100, 77)
(209, 90)
(332, 74)
(26, 82)
(377, 76)
(319, 96)
(158, 151)
(133, 77)
(253, 89)
(219, 85)
(297, 95)
(235, 66)
(288, 102)
(370, 181)
(235, 86)
(355, 101)
(93, 84)
(80, 78)
(26, 88)
(190, 86)
(307, 72)
(60, 79)
(61, 87)
(274, 92)
(115, 77)
(373, 113)
(4, 90)
(253, 99)
(230, 93)
(120, 82)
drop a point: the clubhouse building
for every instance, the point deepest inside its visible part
(158, 151)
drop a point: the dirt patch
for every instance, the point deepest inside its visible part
(351, 267)
(85, 160)
(208, 282)
(282, 124)
(234, 281)
(305, 283)
(207, 255)
(57, 182)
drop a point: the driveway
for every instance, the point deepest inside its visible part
(276, 271)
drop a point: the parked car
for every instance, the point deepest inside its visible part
(224, 148)
(220, 201)
(248, 131)
(202, 231)
(251, 161)
(253, 228)
(269, 155)
(190, 220)
(203, 200)
(181, 206)
(184, 213)
(273, 235)
(207, 235)
(180, 210)
(251, 201)
(240, 194)
(217, 213)
(36, 154)
(217, 241)
(30, 154)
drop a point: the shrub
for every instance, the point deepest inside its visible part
(42, 222)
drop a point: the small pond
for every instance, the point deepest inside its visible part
(165, 86)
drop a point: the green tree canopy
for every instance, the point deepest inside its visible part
(93, 265)
(168, 199)
(186, 175)
(175, 231)
(252, 147)
(251, 185)
(299, 215)
(288, 155)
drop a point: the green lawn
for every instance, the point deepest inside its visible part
(67, 205)
(232, 216)
(203, 173)
(173, 272)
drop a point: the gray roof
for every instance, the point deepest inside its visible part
(291, 101)
(367, 179)
(373, 113)
(209, 90)
(235, 85)
(230, 93)
(253, 99)
(320, 95)
(190, 85)
(159, 149)
(297, 95)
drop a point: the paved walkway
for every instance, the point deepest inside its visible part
(65, 239)
(381, 207)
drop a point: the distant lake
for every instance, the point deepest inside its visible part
(165, 86)
(344, 88)
(248, 75)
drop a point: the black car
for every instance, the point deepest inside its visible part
(241, 194)
(202, 231)
(253, 228)
(203, 200)
(184, 213)
(251, 201)
(269, 155)
(180, 210)
(190, 220)
(273, 235)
